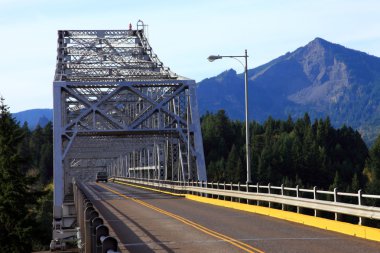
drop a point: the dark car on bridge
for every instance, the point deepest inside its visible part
(101, 176)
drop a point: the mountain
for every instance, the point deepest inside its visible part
(34, 117)
(321, 78)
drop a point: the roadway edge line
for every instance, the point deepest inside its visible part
(235, 242)
(363, 232)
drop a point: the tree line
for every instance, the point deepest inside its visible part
(26, 185)
(291, 152)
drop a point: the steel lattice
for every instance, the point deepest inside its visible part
(117, 108)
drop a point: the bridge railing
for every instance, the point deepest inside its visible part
(93, 235)
(281, 197)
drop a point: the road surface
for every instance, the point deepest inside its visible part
(146, 221)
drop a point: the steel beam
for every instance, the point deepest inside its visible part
(118, 108)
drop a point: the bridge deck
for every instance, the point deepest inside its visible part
(146, 221)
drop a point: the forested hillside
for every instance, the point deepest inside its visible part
(26, 187)
(321, 78)
(291, 152)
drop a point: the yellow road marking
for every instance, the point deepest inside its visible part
(191, 223)
(239, 244)
(364, 232)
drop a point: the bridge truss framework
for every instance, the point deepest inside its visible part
(118, 109)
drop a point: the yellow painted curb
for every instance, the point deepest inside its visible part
(330, 225)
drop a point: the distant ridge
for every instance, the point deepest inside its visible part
(321, 78)
(34, 117)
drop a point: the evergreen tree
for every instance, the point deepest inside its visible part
(16, 196)
(372, 170)
(24, 149)
(337, 183)
(290, 152)
(35, 145)
(233, 165)
(355, 185)
(45, 163)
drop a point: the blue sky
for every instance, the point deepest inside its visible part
(182, 33)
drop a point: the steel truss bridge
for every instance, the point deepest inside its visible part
(118, 109)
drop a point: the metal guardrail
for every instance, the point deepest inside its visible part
(318, 200)
(93, 235)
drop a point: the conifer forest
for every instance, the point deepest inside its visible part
(291, 152)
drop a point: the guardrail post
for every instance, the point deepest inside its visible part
(100, 231)
(93, 215)
(89, 213)
(109, 244)
(297, 195)
(202, 194)
(239, 189)
(258, 191)
(212, 186)
(95, 222)
(79, 206)
(217, 187)
(269, 192)
(360, 200)
(86, 204)
(231, 199)
(337, 216)
(247, 189)
(316, 212)
(224, 188)
(282, 194)
(206, 184)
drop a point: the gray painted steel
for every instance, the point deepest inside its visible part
(118, 109)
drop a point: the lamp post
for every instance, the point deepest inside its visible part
(212, 58)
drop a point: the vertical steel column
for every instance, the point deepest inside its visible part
(196, 125)
(247, 138)
(58, 176)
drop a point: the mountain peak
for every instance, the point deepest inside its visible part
(321, 78)
(319, 44)
(227, 73)
(320, 41)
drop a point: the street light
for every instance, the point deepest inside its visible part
(212, 58)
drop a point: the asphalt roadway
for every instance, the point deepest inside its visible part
(146, 221)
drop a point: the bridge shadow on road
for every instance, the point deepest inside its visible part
(127, 236)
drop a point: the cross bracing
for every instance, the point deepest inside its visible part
(117, 108)
(107, 55)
